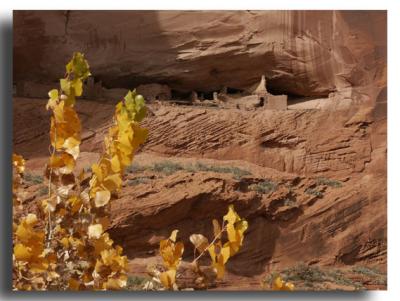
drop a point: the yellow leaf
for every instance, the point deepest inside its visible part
(22, 253)
(51, 104)
(65, 242)
(65, 86)
(58, 111)
(71, 146)
(98, 172)
(19, 163)
(103, 243)
(53, 94)
(125, 154)
(64, 162)
(233, 246)
(232, 234)
(212, 252)
(235, 230)
(95, 231)
(168, 278)
(115, 164)
(116, 283)
(226, 253)
(102, 198)
(75, 203)
(70, 100)
(199, 241)
(173, 235)
(113, 182)
(41, 267)
(23, 232)
(178, 251)
(73, 284)
(31, 219)
(140, 136)
(241, 226)
(78, 66)
(72, 119)
(220, 267)
(280, 285)
(171, 252)
(219, 257)
(231, 217)
(125, 138)
(289, 286)
(76, 84)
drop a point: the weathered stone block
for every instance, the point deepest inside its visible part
(276, 102)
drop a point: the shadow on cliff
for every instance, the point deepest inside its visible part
(101, 35)
(194, 215)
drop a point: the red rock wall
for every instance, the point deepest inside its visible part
(301, 52)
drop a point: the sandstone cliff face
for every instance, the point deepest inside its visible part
(301, 52)
(335, 143)
(301, 221)
(287, 226)
(326, 156)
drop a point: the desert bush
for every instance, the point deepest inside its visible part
(314, 192)
(136, 167)
(33, 179)
(167, 167)
(237, 172)
(313, 277)
(303, 272)
(135, 283)
(329, 182)
(43, 191)
(264, 187)
(366, 271)
(377, 276)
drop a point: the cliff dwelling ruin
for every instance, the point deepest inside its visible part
(260, 98)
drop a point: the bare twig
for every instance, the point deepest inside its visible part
(211, 243)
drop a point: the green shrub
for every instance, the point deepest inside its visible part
(314, 192)
(137, 181)
(34, 179)
(303, 272)
(135, 283)
(237, 172)
(167, 167)
(313, 276)
(265, 187)
(329, 182)
(136, 167)
(43, 191)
